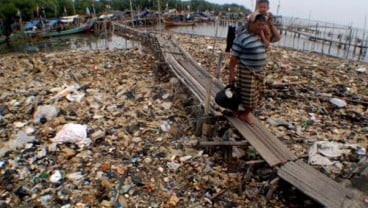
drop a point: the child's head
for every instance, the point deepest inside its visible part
(262, 6)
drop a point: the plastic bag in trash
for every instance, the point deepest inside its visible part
(74, 133)
(45, 113)
(21, 138)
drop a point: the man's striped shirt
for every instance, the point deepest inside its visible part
(250, 51)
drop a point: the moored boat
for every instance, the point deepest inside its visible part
(59, 27)
(175, 24)
(78, 29)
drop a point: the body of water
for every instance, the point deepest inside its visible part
(288, 40)
(70, 42)
(91, 42)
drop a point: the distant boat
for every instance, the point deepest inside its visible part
(60, 27)
(81, 28)
(173, 21)
(175, 24)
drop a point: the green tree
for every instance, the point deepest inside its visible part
(7, 15)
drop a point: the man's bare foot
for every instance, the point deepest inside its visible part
(236, 114)
(246, 118)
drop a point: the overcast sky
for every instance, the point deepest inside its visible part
(342, 12)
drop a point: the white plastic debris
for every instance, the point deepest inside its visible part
(165, 126)
(46, 200)
(361, 70)
(173, 166)
(331, 149)
(29, 130)
(323, 152)
(167, 105)
(47, 112)
(30, 100)
(75, 96)
(361, 151)
(66, 90)
(19, 124)
(76, 177)
(2, 163)
(21, 138)
(56, 176)
(338, 102)
(74, 133)
(41, 153)
(185, 158)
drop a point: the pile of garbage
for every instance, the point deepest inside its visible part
(101, 129)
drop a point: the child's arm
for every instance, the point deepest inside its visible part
(265, 36)
(274, 32)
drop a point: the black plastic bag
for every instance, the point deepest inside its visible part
(229, 97)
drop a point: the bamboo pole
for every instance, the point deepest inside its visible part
(349, 42)
(362, 45)
(214, 42)
(206, 126)
(73, 6)
(131, 12)
(331, 39)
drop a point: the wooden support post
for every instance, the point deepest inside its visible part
(206, 128)
(273, 186)
(246, 177)
(218, 68)
(198, 127)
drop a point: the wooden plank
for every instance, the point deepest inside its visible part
(271, 140)
(189, 81)
(313, 183)
(273, 151)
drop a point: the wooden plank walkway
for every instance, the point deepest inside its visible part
(273, 151)
(313, 183)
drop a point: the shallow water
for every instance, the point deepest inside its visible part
(93, 42)
(288, 40)
(72, 42)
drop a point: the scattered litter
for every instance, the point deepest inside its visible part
(123, 129)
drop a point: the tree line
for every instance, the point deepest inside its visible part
(12, 11)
